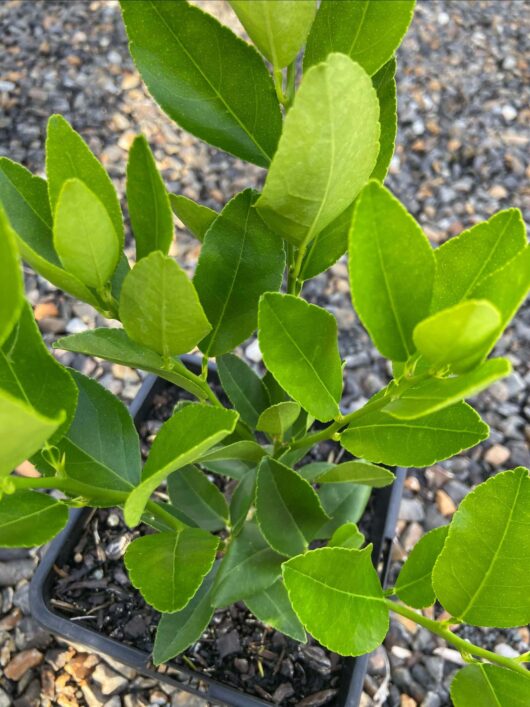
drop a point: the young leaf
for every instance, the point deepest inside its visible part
(288, 509)
(245, 450)
(279, 418)
(369, 32)
(463, 262)
(196, 217)
(385, 85)
(344, 503)
(179, 630)
(84, 236)
(391, 270)
(168, 568)
(358, 472)
(204, 77)
(481, 575)
(242, 500)
(348, 536)
(328, 246)
(383, 439)
(245, 389)
(249, 567)
(240, 259)
(332, 588)
(28, 518)
(489, 686)
(273, 608)
(197, 501)
(159, 306)
(307, 365)
(148, 201)
(11, 283)
(414, 583)
(278, 29)
(182, 439)
(327, 151)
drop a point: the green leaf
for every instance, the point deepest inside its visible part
(25, 199)
(84, 236)
(249, 567)
(196, 217)
(11, 283)
(384, 439)
(245, 389)
(168, 568)
(385, 85)
(369, 32)
(69, 157)
(438, 393)
(182, 439)
(242, 500)
(344, 503)
(328, 246)
(278, 29)
(306, 366)
(489, 686)
(28, 518)
(391, 271)
(245, 450)
(481, 575)
(357, 472)
(204, 77)
(348, 536)
(458, 336)
(197, 501)
(148, 201)
(273, 608)
(333, 588)
(279, 418)
(159, 306)
(240, 259)
(414, 583)
(311, 472)
(288, 509)
(179, 630)
(327, 151)
(462, 263)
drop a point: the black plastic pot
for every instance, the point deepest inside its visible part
(386, 506)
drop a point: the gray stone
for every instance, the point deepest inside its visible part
(228, 643)
(12, 572)
(109, 682)
(411, 509)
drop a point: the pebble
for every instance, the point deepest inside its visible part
(21, 663)
(109, 682)
(316, 658)
(228, 643)
(76, 326)
(506, 650)
(12, 572)
(497, 455)
(318, 699)
(445, 503)
(411, 509)
(253, 353)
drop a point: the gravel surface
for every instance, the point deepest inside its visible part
(462, 154)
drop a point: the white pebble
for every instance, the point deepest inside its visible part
(443, 19)
(506, 650)
(76, 326)
(509, 113)
(253, 352)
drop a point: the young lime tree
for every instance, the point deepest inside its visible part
(325, 135)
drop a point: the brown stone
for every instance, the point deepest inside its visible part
(45, 309)
(21, 663)
(8, 622)
(445, 503)
(81, 666)
(497, 455)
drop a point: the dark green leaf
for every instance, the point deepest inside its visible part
(329, 245)
(278, 419)
(11, 284)
(358, 472)
(242, 500)
(273, 608)
(489, 686)
(311, 472)
(245, 389)
(28, 518)
(348, 536)
(196, 217)
(385, 85)
(414, 583)
(197, 501)
(245, 450)
(344, 503)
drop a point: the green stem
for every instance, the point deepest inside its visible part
(463, 646)
(278, 85)
(290, 88)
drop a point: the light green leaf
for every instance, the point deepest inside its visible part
(245, 450)
(463, 262)
(306, 366)
(11, 283)
(328, 246)
(242, 500)
(159, 306)
(168, 568)
(182, 439)
(333, 588)
(344, 503)
(384, 439)
(367, 31)
(84, 236)
(28, 518)
(273, 608)
(196, 500)
(348, 536)
(391, 271)
(240, 259)
(437, 393)
(245, 389)
(196, 217)
(489, 686)
(278, 29)
(481, 575)
(288, 509)
(358, 472)
(327, 150)
(385, 85)
(279, 418)
(414, 583)
(148, 201)
(311, 472)
(204, 77)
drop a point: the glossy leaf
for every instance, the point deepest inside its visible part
(384, 439)
(168, 568)
(204, 77)
(391, 271)
(197, 501)
(240, 259)
(273, 608)
(242, 500)
(278, 419)
(173, 328)
(414, 583)
(327, 151)
(348, 536)
(489, 686)
(311, 472)
(11, 283)
(332, 588)
(245, 389)
(369, 32)
(288, 509)
(305, 364)
(244, 450)
(344, 503)
(28, 518)
(196, 217)
(481, 575)
(358, 472)
(328, 246)
(385, 84)
(148, 201)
